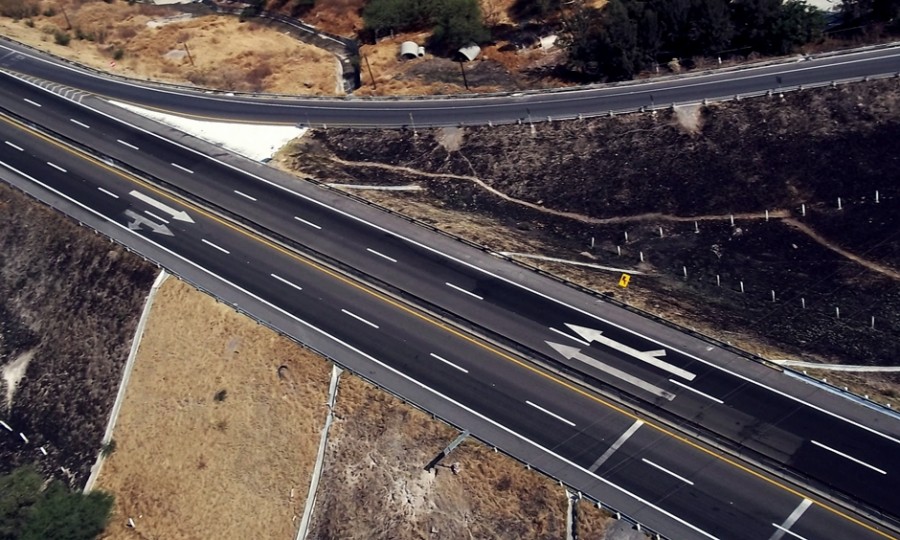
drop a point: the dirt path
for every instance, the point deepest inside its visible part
(650, 216)
(875, 267)
(783, 215)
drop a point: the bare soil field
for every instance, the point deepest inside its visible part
(69, 304)
(374, 484)
(152, 42)
(219, 428)
(552, 188)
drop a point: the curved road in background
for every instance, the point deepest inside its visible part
(881, 62)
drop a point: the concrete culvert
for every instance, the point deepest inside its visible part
(409, 50)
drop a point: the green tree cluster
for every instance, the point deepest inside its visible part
(627, 36)
(33, 510)
(454, 23)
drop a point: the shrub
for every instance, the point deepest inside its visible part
(107, 449)
(118, 53)
(62, 38)
(221, 395)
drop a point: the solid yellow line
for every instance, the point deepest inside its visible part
(390, 301)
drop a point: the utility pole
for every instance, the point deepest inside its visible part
(188, 51)
(369, 67)
(66, 15)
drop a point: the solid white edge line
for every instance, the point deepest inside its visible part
(244, 195)
(108, 192)
(573, 338)
(449, 363)
(360, 319)
(310, 223)
(667, 471)
(208, 243)
(286, 282)
(129, 145)
(698, 392)
(554, 415)
(847, 456)
(35, 103)
(57, 167)
(489, 273)
(795, 535)
(154, 216)
(185, 169)
(372, 359)
(460, 289)
(382, 255)
(17, 147)
(82, 124)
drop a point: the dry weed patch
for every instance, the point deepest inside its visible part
(219, 427)
(374, 484)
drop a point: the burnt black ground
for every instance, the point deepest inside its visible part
(808, 148)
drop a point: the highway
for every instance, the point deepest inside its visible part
(567, 422)
(831, 443)
(469, 110)
(674, 486)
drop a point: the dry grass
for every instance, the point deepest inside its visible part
(341, 17)
(374, 472)
(227, 54)
(591, 522)
(188, 465)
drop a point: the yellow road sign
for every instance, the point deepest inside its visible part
(623, 281)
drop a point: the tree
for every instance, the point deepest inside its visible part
(31, 510)
(618, 57)
(19, 491)
(457, 23)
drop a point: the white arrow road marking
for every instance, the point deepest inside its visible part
(449, 363)
(575, 353)
(667, 471)
(558, 417)
(179, 215)
(589, 334)
(851, 458)
(573, 338)
(780, 530)
(138, 220)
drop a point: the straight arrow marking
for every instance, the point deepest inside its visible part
(179, 215)
(136, 220)
(575, 353)
(589, 334)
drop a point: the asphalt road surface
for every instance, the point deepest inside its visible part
(675, 486)
(472, 110)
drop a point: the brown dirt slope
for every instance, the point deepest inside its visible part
(70, 300)
(374, 484)
(220, 424)
(642, 172)
(226, 54)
